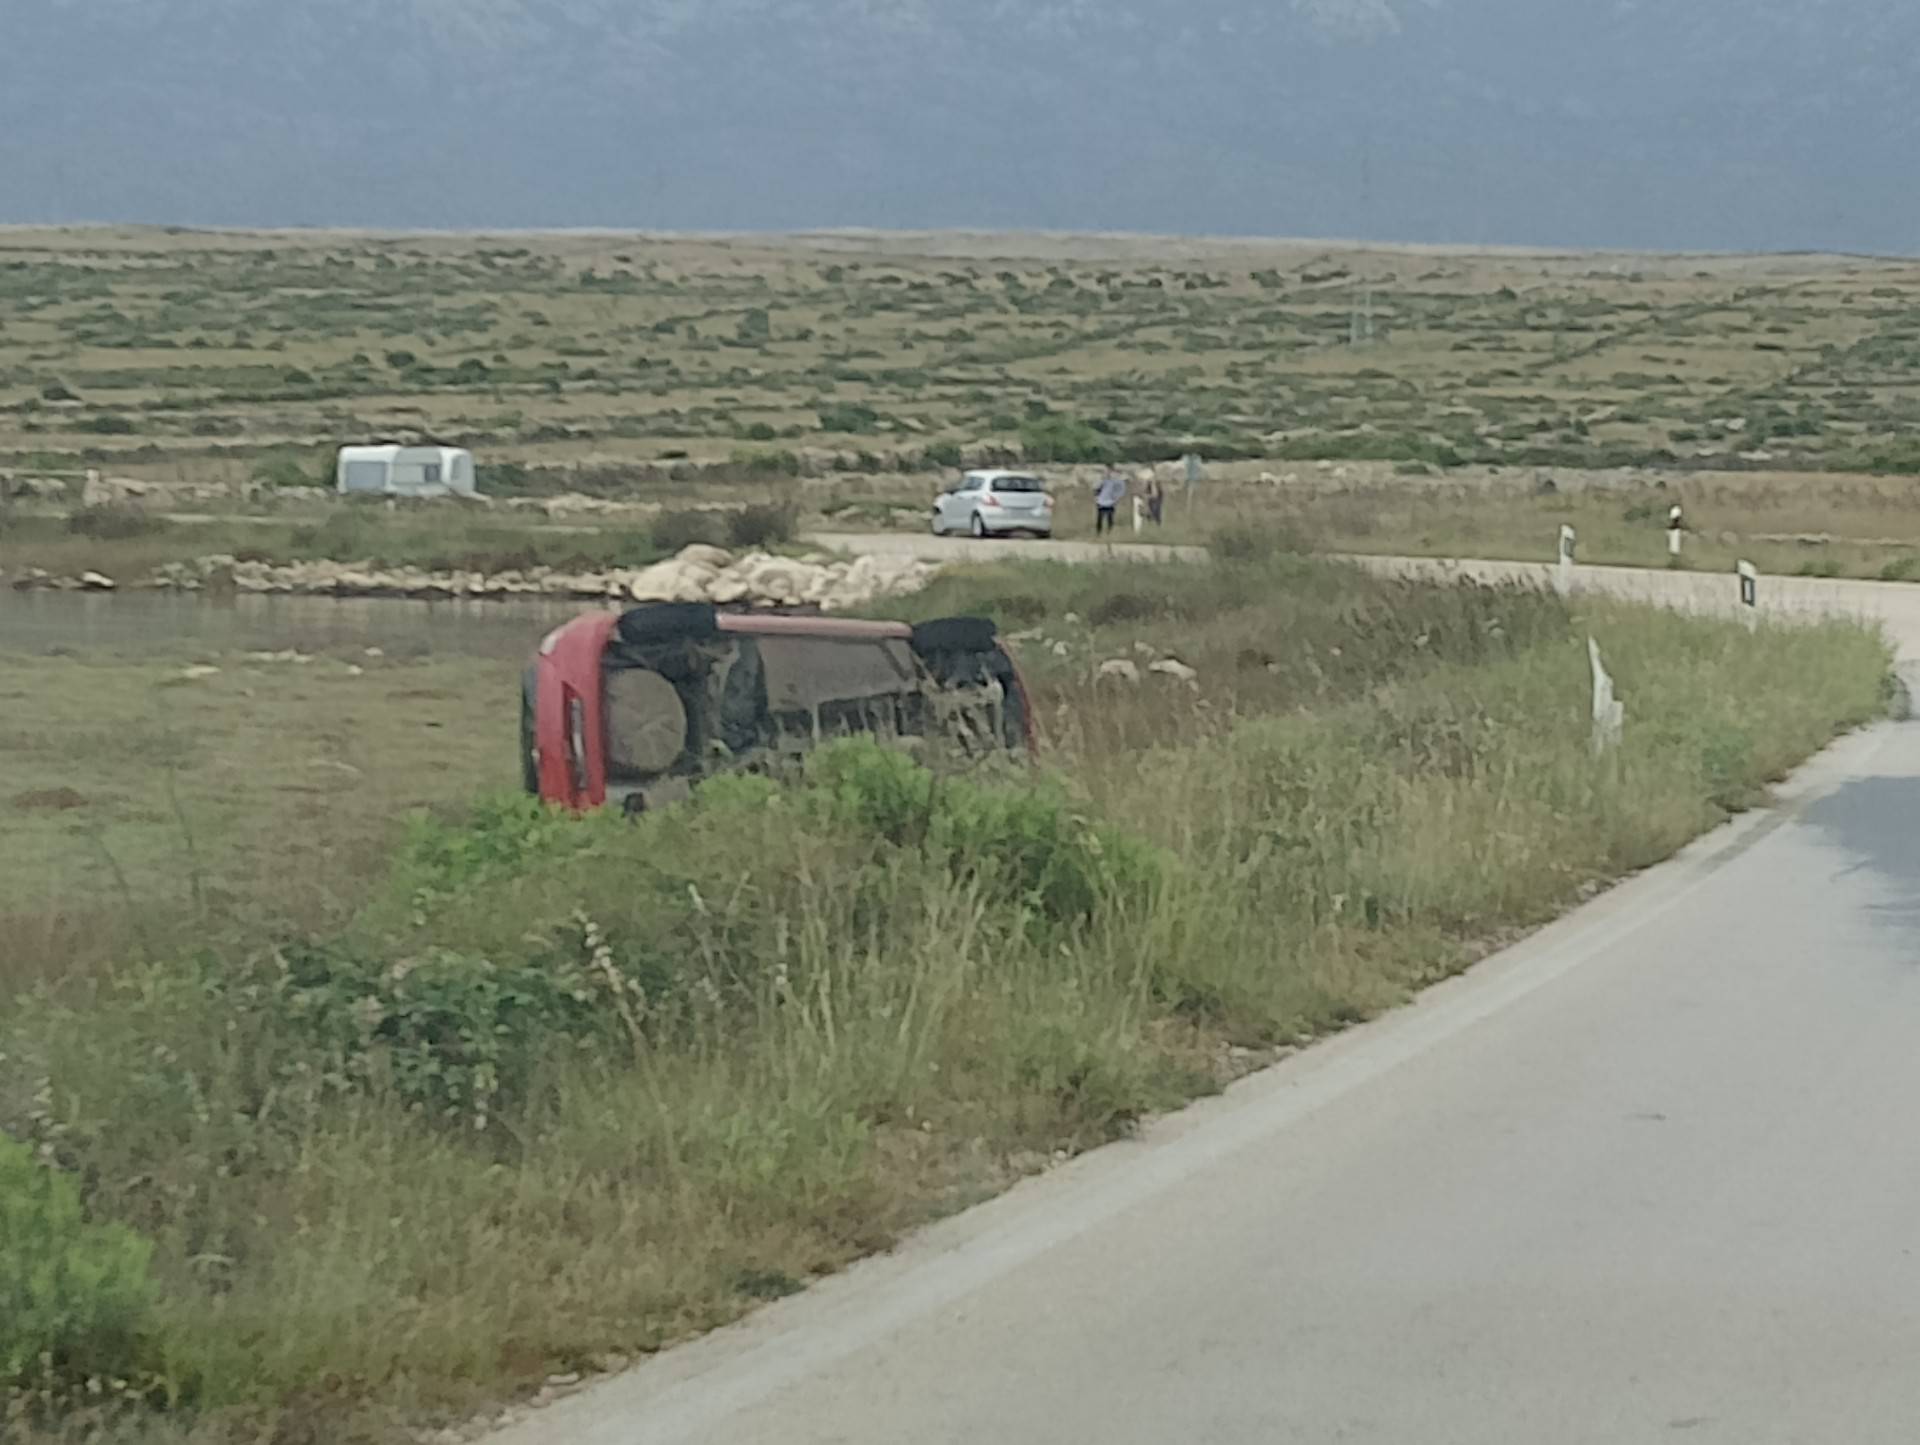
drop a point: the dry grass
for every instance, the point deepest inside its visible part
(265, 794)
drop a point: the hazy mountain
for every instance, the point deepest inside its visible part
(1668, 123)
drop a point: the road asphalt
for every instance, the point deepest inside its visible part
(1643, 1177)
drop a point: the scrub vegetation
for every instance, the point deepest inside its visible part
(528, 1095)
(833, 378)
(611, 362)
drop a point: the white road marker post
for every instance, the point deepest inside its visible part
(1139, 514)
(1676, 528)
(1749, 591)
(1609, 713)
(1563, 573)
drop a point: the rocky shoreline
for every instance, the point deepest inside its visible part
(697, 574)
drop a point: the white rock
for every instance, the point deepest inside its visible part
(675, 580)
(779, 580)
(198, 671)
(1119, 669)
(718, 558)
(1175, 669)
(97, 582)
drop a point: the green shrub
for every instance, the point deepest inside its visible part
(452, 1033)
(850, 417)
(74, 1296)
(290, 470)
(761, 526)
(1025, 843)
(114, 522)
(768, 464)
(501, 835)
(671, 531)
(1062, 439)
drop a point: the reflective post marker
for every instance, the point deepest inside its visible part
(1563, 576)
(1749, 584)
(1609, 713)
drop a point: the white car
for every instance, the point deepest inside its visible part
(989, 504)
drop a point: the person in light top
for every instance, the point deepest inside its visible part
(1106, 498)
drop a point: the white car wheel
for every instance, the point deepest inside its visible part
(979, 525)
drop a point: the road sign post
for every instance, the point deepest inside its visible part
(1563, 573)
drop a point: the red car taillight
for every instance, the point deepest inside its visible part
(987, 499)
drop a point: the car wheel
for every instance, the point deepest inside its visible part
(979, 527)
(668, 622)
(938, 530)
(955, 634)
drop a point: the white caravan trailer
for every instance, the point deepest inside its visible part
(393, 471)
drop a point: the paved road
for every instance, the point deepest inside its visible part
(1895, 604)
(966, 549)
(1649, 1176)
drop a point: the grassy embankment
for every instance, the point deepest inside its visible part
(556, 1092)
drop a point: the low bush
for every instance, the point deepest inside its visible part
(1259, 542)
(286, 469)
(75, 1297)
(1062, 439)
(673, 530)
(114, 522)
(761, 526)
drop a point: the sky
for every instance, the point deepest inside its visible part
(1652, 124)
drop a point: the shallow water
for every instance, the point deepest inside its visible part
(177, 624)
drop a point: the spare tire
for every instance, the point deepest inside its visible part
(956, 634)
(646, 723)
(668, 622)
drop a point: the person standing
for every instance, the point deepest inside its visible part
(1106, 499)
(1156, 500)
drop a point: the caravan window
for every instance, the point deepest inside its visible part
(416, 474)
(462, 470)
(366, 476)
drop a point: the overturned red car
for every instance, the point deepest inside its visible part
(636, 707)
